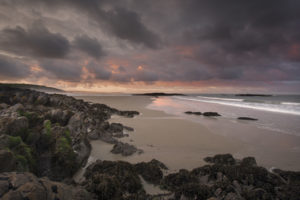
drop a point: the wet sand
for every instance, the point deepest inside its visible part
(176, 142)
(181, 143)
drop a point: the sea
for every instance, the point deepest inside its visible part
(278, 113)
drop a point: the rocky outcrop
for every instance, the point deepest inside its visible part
(114, 180)
(125, 149)
(20, 186)
(120, 180)
(48, 134)
(229, 178)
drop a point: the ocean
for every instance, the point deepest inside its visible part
(278, 113)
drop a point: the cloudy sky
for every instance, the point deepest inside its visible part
(152, 45)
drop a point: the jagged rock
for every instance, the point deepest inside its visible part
(151, 171)
(114, 180)
(248, 161)
(125, 149)
(225, 159)
(7, 161)
(20, 186)
(15, 126)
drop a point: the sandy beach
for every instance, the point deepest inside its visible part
(181, 143)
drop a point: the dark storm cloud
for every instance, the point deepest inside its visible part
(91, 46)
(12, 68)
(100, 72)
(128, 26)
(120, 21)
(36, 41)
(191, 40)
(61, 69)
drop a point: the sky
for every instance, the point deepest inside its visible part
(208, 46)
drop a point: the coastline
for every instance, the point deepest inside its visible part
(166, 136)
(46, 138)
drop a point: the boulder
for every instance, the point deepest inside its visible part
(125, 149)
(7, 161)
(223, 159)
(211, 114)
(20, 186)
(151, 171)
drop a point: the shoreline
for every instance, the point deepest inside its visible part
(210, 141)
(63, 127)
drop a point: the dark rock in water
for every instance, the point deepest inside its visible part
(211, 114)
(125, 149)
(20, 186)
(247, 118)
(193, 113)
(224, 159)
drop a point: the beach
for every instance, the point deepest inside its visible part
(165, 133)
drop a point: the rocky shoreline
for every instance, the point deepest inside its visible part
(45, 139)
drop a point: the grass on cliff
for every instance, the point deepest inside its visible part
(22, 153)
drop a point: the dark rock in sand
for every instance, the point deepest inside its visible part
(125, 149)
(224, 159)
(127, 128)
(211, 114)
(247, 118)
(114, 180)
(193, 113)
(151, 171)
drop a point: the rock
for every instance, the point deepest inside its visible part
(116, 127)
(248, 161)
(232, 196)
(20, 186)
(223, 159)
(211, 114)
(193, 113)
(129, 114)
(114, 180)
(127, 128)
(3, 106)
(151, 171)
(7, 161)
(125, 149)
(247, 118)
(15, 126)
